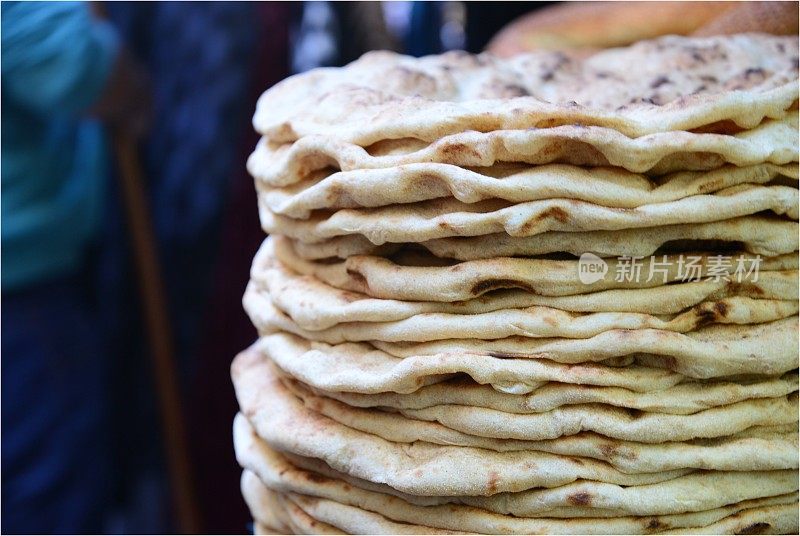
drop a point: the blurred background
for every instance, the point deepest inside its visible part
(129, 223)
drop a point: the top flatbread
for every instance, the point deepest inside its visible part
(671, 83)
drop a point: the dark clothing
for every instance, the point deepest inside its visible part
(56, 430)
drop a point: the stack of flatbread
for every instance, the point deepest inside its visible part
(474, 305)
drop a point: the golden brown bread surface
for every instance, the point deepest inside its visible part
(581, 28)
(776, 18)
(602, 24)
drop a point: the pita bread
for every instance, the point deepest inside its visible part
(270, 509)
(776, 142)
(475, 519)
(429, 279)
(260, 528)
(269, 519)
(442, 218)
(361, 368)
(768, 516)
(671, 83)
(518, 183)
(758, 448)
(321, 468)
(402, 464)
(753, 234)
(510, 182)
(314, 305)
(709, 352)
(778, 519)
(682, 399)
(613, 422)
(599, 500)
(532, 322)
(419, 468)
(762, 518)
(357, 521)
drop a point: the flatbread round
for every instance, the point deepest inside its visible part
(315, 305)
(753, 234)
(670, 83)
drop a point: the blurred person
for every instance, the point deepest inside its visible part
(226, 329)
(208, 62)
(200, 56)
(62, 71)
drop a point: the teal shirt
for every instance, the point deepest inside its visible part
(56, 59)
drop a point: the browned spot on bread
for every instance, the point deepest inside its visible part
(502, 355)
(427, 182)
(494, 478)
(457, 151)
(755, 528)
(711, 186)
(721, 308)
(625, 333)
(655, 524)
(550, 321)
(328, 260)
(556, 213)
(581, 498)
(704, 317)
(577, 461)
(634, 413)
(609, 450)
(725, 126)
(746, 289)
(349, 297)
(549, 122)
(334, 194)
(670, 362)
(358, 277)
(314, 477)
(482, 287)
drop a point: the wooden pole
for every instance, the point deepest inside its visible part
(157, 322)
